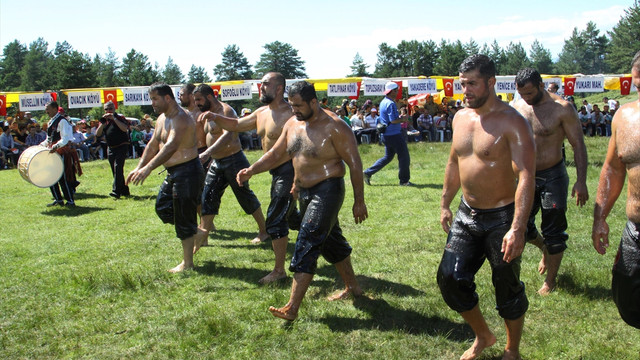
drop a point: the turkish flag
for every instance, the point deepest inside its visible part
(447, 84)
(259, 90)
(569, 85)
(216, 90)
(625, 85)
(357, 96)
(3, 105)
(54, 96)
(399, 96)
(111, 95)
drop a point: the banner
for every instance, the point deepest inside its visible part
(625, 85)
(34, 102)
(3, 105)
(506, 84)
(422, 86)
(136, 96)
(176, 92)
(84, 99)
(110, 95)
(589, 84)
(549, 81)
(357, 95)
(374, 87)
(447, 84)
(235, 92)
(569, 85)
(343, 89)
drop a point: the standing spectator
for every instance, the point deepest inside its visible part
(137, 138)
(586, 104)
(394, 141)
(430, 107)
(116, 130)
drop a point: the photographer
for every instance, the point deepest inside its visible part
(116, 130)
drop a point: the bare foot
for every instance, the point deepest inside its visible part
(546, 289)
(181, 267)
(273, 276)
(478, 346)
(201, 237)
(344, 294)
(511, 355)
(260, 238)
(286, 312)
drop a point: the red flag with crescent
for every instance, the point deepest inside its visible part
(54, 96)
(399, 96)
(216, 90)
(625, 85)
(448, 87)
(259, 90)
(357, 96)
(111, 95)
(3, 105)
(569, 85)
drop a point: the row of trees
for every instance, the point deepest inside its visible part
(587, 51)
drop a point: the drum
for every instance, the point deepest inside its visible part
(40, 167)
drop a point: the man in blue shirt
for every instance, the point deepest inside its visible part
(394, 141)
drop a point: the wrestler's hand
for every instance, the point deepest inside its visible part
(446, 216)
(600, 236)
(242, 176)
(294, 191)
(204, 157)
(137, 176)
(581, 194)
(360, 213)
(209, 116)
(512, 245)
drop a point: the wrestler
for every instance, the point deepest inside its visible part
(173, 145)
(268, 121)
(552, 120)
(225, 150)
(319, 146)
(492, 159)
(623, 158)
(187, 101)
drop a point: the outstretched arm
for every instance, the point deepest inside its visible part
(270, 159)
(233, 123)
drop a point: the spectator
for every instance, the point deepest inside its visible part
(8, 146)
(40, 132)
(33, 138)
(357, 124)
(426, 125)
(137, 140)
(116, 130)
(370, 122)
(341, 111)
(78, 143)
(430, 107)
(608, 117)
(610, 102)
(596, 119)
(28, 119)
(325, 103)
(572, 102)
(586, 104)
(20, 137)
(585, 119)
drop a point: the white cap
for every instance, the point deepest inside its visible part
(389, 86)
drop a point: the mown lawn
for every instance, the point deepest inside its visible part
(92, 282)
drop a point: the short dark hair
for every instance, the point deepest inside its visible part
(53, 104)
(306, 91)
(205, 90)
(528, 75)
(109, 103)
(161, 89)
(188, 88)
(635, 63)
(482, 63)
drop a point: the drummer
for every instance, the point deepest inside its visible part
(59, 139)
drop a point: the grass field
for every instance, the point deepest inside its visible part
(92, 282)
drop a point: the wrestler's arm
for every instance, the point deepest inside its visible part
(573, 130)
(234, 124)
(271, 158)
(523, 160)
(222, 141)
(450, 188)
(609, 188)
(347, 148)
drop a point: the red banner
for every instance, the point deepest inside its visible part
(259, 90)
(569, 85)
(54, 96)
(216, 90)
(399, 96)
(3, 105)
(111, 95)
(448, 87)
(625, 85)
(357, 96)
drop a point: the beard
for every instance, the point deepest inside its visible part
(477, 101)
(184, 104)
(304, 116)
(536, 99)
(266, 98)
(206, 106)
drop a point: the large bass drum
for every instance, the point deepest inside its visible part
(40, 167)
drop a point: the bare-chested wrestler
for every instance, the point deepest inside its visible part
(269, 121)
(188, 102)
(173, 145)
(623, 158)
(319, 145)
(225, 150)
(493, 159)
(552, 119)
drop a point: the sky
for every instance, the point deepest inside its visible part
(327, 34)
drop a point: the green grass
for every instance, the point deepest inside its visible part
(91, 282)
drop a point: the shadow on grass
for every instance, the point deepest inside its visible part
(368, 284)
(232, 235)
(417, 186)
(249, 275)
(76, 211)
(84, 196)
(385, 317)
(566, 283)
